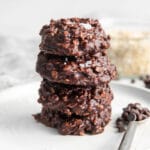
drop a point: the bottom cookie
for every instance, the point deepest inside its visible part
(75, 125)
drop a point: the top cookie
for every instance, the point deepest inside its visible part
(74, 37)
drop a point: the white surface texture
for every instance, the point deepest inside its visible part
(27, 16)
(19, 131)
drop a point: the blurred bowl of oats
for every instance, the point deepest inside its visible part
(130, 46)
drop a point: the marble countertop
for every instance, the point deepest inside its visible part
(17, 60)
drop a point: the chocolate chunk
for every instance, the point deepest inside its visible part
(131, 117)
(120, 125)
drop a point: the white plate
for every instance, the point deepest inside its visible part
(19, 131)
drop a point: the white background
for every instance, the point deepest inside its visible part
(27, 16)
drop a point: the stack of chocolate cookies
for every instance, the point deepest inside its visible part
(76, 71)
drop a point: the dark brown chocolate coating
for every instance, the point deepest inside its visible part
(69, 100)
(75, 125)
(73, 71)
(74, 37)
(73, 63)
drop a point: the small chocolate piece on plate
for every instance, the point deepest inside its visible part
(132, 80)
(147, 81)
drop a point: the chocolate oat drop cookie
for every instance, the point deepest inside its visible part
(76, 71)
